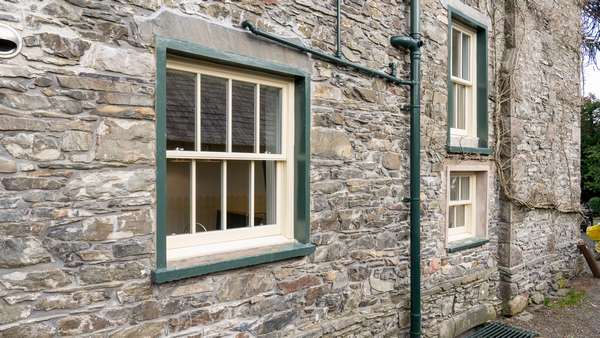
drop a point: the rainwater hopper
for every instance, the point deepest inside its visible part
(10, 42)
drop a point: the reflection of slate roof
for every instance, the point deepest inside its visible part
(181, 91)
(269, 103)
(214, 110)
(242, 114)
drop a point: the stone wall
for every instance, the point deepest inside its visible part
(77, 173)
(540, 150)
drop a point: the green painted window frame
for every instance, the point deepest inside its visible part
(482, 83)
(302, 246)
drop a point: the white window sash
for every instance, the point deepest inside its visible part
(193, 198)
(458, 235)
(283, 194)
(472, 56)
(460, 202)
(206, 155)
(209, 249)
(468, 230)
(221, 236)
(223, 195)
(221, 71)
(458, 80)
(470, 92)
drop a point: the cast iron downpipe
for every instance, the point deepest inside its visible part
(414, 43)
(338, 32)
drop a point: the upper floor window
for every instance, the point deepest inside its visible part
(229, 153)
(467, 84)
(464, 84)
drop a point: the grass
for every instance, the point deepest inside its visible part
(562, 283)
(573, 298)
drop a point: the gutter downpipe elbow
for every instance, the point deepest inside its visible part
(414, 43)
(249, 26)
(325, 57)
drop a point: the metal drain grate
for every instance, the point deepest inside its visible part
(499, 330)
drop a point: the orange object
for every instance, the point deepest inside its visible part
(593, 232)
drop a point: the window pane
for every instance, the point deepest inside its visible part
(455, 52)
(454, 188)
(466, 56)
(178, 197)
(451, 211)
(460, 98)
(208, 196)
(460, 216)
(265, 196)
(181, 110)
(242, 119)
(464, 188)
(238, 192)
(270, 120)
(213, 91)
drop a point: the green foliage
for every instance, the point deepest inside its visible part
(573, 298)
(590, 148)
(594, 204)
(562, 283)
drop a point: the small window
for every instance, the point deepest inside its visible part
(466, 200)
(463, 82)
(461, 207)
(229, 163)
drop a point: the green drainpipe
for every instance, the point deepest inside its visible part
(414, 43)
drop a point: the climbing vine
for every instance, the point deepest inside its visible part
(505, 51)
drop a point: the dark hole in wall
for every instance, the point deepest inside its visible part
(7, 46)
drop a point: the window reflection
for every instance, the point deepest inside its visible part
(213, 119)
(242, 117)
(178, 197)
(270, 120)
(181, 110)
(265, 197)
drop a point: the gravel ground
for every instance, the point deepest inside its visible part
(558, 319)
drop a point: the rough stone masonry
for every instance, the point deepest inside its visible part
(77, 174)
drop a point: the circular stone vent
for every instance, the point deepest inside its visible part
(10, 42)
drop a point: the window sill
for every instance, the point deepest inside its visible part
(469, 150)
(196, 267)
(467, 243)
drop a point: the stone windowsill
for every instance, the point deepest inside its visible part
(468, 150)
(193, 267)
(467, 243)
